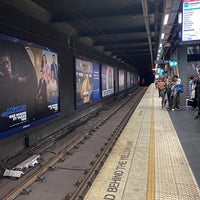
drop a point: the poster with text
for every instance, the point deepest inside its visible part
(128, 80)
(133, 79)
(29, 85)
(121, 80)
(87, 82)
(107, 80)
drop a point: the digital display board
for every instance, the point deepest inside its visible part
(107, 80)
(121, 80)
(191, 16)
(29, 85)
(87, 82)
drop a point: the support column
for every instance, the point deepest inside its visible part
(182, 66)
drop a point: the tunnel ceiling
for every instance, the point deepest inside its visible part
(126, 30)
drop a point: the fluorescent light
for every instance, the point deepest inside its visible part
(162, 36)
(160, 45)
(179, 18)
(166, 19)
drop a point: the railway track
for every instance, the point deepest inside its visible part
(98, 134)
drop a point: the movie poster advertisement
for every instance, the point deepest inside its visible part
(107, 78)
(29, 85)
(133, 80)
(128, 80)
(121, 80)
(87, 82)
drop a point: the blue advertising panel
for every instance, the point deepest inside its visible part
(107, 80)
(87, 82)
(121, 80)
(29, 85)
(96, 82)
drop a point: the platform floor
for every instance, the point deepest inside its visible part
(148, 160)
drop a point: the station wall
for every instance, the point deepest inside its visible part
(67, 48)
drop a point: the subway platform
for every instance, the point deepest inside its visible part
(148, 160)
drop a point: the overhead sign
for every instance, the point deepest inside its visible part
(173, 63)
(161, 62)
(160, 71)
(191, 16)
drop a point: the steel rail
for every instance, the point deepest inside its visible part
(30, 180)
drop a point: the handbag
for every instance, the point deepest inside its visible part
(179, 88)
(191, 102)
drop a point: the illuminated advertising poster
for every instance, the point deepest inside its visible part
(128, 80)
(121, 80)
(96, 82)
(107, 74)
(29, 85)
(132, 80)
(191, 16)
(87, 82)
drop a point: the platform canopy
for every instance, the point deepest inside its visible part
(126, 30)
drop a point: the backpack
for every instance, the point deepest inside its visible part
(179, 88)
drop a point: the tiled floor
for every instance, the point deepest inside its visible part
(148, 161)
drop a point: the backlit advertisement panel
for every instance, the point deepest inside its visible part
(191, 16)
(133, 80)
(29, 85)
(121, 80)
(87, 82)
(107, 80)
(128, 79)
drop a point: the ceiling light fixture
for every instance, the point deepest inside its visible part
(179, 18)
(166, 19)
(162, 36)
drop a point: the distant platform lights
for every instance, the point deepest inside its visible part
(160, 71)
(162, 66)
(159, 51)
(173, 63)
(165, 21)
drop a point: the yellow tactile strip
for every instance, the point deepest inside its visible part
(125, 175)
(151, 169)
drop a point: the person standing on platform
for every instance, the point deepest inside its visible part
(175, 94)
(158, 85)
(191, 82)
(162, 88)
(197, 94)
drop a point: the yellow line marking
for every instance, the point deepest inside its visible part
(151, 173)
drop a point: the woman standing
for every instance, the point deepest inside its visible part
(162, 88)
